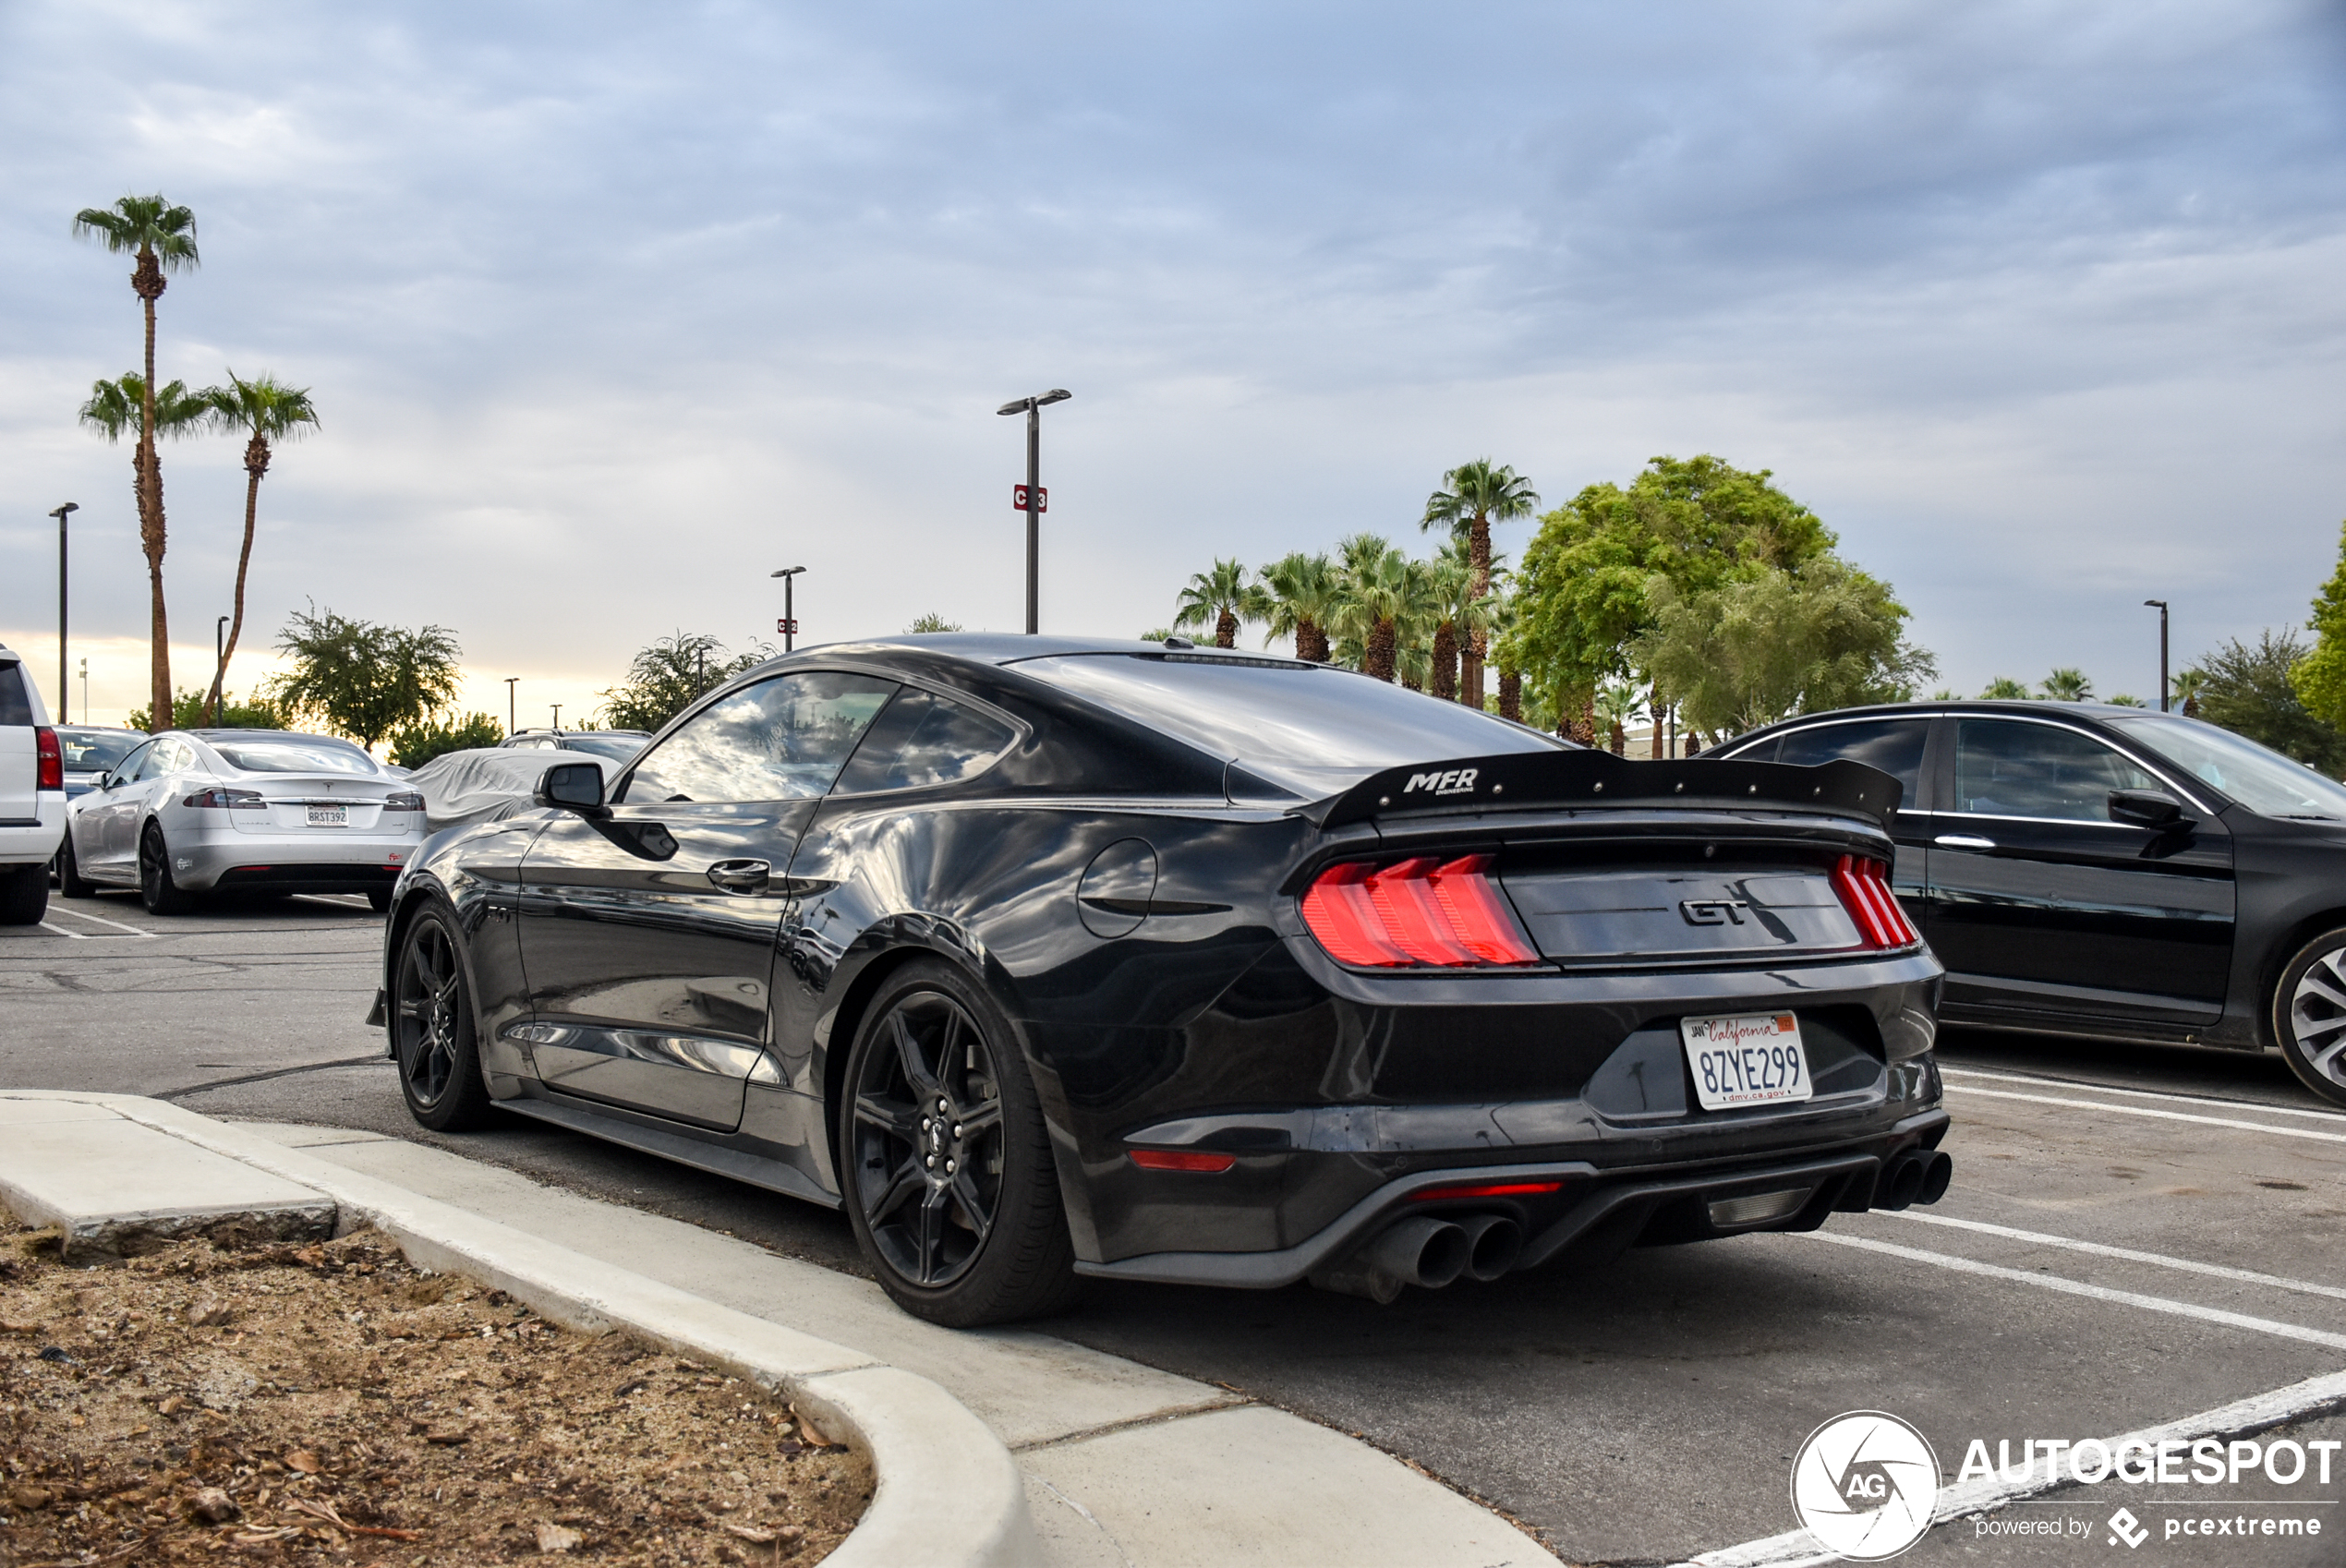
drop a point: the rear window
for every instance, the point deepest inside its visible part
(1301, 724)
(15, 707)
(305, 755)
(94, 751)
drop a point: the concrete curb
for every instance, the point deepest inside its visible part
(946, 1492)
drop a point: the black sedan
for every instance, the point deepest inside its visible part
(2093, 870)
(1049, 958)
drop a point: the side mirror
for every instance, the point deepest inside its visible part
(2154, 808)
(570, 786)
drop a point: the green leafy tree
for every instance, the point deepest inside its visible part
(1473, 496)
(2123, 700)
(929, 624)
(1157, 635)
(412, 745)
(1588, 588)
(2066, 685)
(1758, 648)
(2319, 679)
(162, 237)
(2249, 691)
(265, 412)
(669, 675)
(362, 680)
(1301, 593)
(2003, 688)
(192, 710)
(1509, 702)
(1226, 598)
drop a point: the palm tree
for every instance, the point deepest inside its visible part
(116, 408)
(1505, 616)
(2187, 686)
(2005, 689)
(163, 238)
(1473, 496)
(2068, 686)
(1460, 615)
(1302, 594)
(1383, 596)
(263, 410)
(1616, 705)
(1222, 596)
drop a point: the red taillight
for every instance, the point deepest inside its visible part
(1423, 912)
(224, 799)
(1183, 1160)
(52, 760)
(1487, 1189)
(1863, 887)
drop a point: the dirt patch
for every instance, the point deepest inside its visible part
(332, 1403)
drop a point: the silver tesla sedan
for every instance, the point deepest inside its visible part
(196, 812)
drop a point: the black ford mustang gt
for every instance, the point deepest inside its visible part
(1047, 958)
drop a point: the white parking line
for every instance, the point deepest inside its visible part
(2215, 1271)
(2095, 1292)
(2257, 1413)
(61, 930)
(2145, 1094)
(84, 914)
(2151, 1111)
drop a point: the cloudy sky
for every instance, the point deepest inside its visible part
(610, 310)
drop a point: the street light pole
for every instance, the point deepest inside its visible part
(558, 718)
(513, 717)
(1033, 408)
(65, 692)
(789, 575)
(2162, 651)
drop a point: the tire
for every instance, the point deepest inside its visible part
(24, 894)
(70, 882)
(156, 890)
(379, 900)
(2309, 1015)
(957, 1210)
(434, 1032)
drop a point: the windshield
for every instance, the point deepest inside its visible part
(1308, 726)
(2263, 781)
(618, 748)
(94, 751)
(300, 753)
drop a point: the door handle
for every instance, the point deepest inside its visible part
(1954, 841)
(740, 876)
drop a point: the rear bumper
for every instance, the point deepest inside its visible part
(231, 860)
(33, 840)
(1668, 1203)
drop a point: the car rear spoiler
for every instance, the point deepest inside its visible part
(1525, 780)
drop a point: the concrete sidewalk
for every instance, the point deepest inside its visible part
(1124, 1467)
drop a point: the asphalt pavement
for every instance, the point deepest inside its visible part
(2134, 1236)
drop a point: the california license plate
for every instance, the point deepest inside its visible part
(1755, 1059)
(329, 816)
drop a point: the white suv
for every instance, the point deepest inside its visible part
(32, 796)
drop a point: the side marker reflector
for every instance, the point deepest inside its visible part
(1200, 1160)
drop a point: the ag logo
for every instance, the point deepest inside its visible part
(1865, 1484)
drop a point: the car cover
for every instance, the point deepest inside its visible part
(482, 785)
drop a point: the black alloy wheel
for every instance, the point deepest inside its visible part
(945, 1162)
(433, 1035)
(2309, 1015)
(156, 890)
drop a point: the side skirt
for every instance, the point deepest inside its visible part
(774, 1175)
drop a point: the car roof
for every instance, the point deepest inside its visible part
(1930, 706)
(266, 735)
(1010, 648)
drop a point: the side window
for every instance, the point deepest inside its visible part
(2007, 769)
(923, 739)
(135, 764)
(780, 739)
(162, 757)
(1893, 745)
